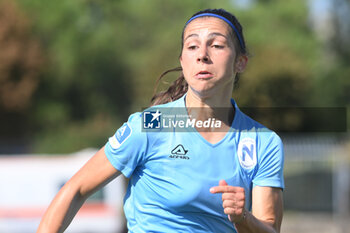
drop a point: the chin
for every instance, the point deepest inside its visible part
(203, 92)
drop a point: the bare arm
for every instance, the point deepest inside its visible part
(96, 173)
(267, 208)
(267, 212)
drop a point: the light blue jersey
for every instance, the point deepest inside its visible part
(171, 172)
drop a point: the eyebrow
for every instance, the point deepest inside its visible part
(213, 34)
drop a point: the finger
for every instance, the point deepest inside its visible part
(227, 188)
(230, 211)
(233, 204)
(221, 189)
(228, 196)
(222, 183)
(234, 212)
(229, 204)
(233, 196)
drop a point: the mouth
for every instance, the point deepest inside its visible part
(204, 74)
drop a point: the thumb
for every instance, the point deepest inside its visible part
(222, 183)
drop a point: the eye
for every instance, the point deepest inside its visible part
(192, 47)
(217, 46)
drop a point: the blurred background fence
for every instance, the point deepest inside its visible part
(29, 183)
(72, 71)
(317, 178)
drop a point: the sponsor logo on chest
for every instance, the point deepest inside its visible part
(179, 152)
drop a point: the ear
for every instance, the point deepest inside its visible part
(241, 63)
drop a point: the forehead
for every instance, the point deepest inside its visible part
(207, 24)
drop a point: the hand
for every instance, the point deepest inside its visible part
(233, 200)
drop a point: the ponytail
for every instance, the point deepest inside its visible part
(176, 90)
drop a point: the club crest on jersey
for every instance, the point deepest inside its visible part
(247, 153)
(120, 136)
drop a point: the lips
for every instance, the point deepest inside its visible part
(203, 74)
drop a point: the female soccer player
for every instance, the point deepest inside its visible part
(217, 171)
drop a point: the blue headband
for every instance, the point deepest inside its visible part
(223, 18)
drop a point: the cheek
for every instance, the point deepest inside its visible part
(229, 63)
(185, 61)
(185, 57)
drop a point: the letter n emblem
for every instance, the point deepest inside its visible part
(247, 153)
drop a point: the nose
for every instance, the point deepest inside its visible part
(203, 55)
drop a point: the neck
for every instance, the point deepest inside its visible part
(218, 107)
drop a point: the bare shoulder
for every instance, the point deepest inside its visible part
(96, 172)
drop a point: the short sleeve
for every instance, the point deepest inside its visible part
(127, 147)
(270, 163)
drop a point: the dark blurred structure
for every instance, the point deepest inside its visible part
(21, 60)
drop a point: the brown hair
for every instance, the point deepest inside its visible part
(179, 87)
